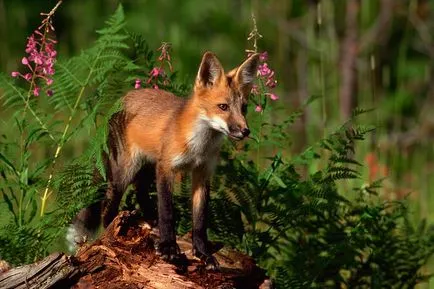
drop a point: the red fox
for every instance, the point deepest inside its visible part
(158, 132)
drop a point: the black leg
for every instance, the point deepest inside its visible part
(120, 173)
(201, 189)
(143, 183)
(168, 248)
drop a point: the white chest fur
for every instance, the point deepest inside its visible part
(203, 145)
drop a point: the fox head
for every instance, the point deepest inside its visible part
(222, 98)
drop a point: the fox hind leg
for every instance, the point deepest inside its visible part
(120, 176)
(144, 183)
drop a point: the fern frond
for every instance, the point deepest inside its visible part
(359, 111)
(344, 160)
(12, 96)
(93, 65)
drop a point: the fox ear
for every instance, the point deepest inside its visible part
(210, 71)
(245, 74)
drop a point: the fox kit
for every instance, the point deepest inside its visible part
(162, 134)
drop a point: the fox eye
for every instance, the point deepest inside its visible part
(244, 108)
(223, 106)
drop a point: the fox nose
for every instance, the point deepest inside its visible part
(245, 132)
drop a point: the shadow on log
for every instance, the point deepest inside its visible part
(124, 257)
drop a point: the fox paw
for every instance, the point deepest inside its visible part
(208, 259)
(169, 252)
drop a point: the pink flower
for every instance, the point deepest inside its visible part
(156, 71)
(267, 82)
(264, 70)
(48, 70)
(272, 96)
(40, 59)
(258, 108)
(36, 91)
(31, 44)
(271, 82)
(49, 49)
(49, 92)
(157, 76)
(137, 85)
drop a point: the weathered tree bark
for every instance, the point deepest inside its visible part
(55, 271)
(124, 257)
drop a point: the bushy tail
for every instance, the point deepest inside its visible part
(84, 226)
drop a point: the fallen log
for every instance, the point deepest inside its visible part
(55, 271)
(125, 257)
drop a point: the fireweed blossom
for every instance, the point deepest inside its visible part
(40, 58)
(267, 82)
(272, 96)
(158, 73)
(258, 108)
(137, 84)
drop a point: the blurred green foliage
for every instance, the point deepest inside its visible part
(394, 64)
(307, 41)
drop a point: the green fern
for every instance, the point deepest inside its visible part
(307, 234)
(87, 89)
(182, 201)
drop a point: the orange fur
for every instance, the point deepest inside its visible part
(161, 123)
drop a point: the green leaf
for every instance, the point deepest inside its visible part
(279, 181)
(10, 206)
(33, 211)
(8, 163)
(24, 177)
(35, 135)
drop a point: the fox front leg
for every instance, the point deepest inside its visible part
(167, 248)
(201, 189)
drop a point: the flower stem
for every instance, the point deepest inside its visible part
(47, 194)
